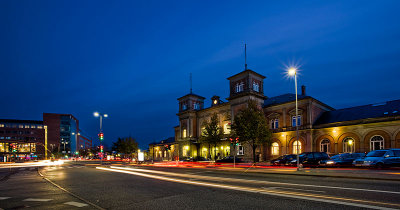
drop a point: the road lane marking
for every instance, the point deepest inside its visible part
(37, 199)
(4, 198)
(77, 204)
(252, 181)
(288, 188)
(296, 195)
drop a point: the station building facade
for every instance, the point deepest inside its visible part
(321, 127)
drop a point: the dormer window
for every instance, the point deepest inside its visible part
(256, 87)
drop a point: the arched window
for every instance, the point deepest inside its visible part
(325, 145)
(294, 120)
(256, 87)
(295, 145)
(377, 142)
(275, 148)
(348, 145)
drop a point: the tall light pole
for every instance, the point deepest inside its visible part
(293, 72)
(97, 114)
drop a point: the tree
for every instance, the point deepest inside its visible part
(126, 146)
(212, 133)
(251, 126)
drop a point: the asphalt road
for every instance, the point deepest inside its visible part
(128, 187)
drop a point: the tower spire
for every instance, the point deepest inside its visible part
(190, 83)
(245, 56)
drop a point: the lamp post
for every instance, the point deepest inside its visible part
(293, 72)
(97, 114)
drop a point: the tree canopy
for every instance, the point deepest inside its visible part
(212, 132)
(126, 146)
(251, 126)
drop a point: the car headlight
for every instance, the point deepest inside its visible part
(330, 162)
(293, 161)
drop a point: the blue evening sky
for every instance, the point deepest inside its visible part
(132, 59)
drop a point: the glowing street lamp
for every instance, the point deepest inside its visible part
(292, 71)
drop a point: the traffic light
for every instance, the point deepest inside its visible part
(167, 147)
(101, 136)
(237, 141)
(101, 148)
(232, 142)
(14, 147)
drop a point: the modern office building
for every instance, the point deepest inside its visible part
(26, 139)
(21, 139)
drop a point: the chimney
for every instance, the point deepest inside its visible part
(303, 90)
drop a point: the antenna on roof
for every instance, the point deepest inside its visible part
(245, 56)
(190, 83)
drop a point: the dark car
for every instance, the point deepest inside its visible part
(380, 159)
(310, 159)
(283, 160)
(341, 160)
(229, 159)
(192, 159)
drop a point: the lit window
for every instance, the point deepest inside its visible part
(256, 87)
(20, 126)
(296, 147)
(294, 120)
(184, 133)
(325, 144)
(1, 125)
(39, 127)
(348, 145)
(275, 148)
(377, 142)
(227, 128)
(240, 150)
(26, 126)
(274, 124)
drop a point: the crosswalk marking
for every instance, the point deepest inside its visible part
(37, 199)
(72, 203)
(4, 198)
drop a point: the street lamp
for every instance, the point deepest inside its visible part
(97, 114)
(292, 71)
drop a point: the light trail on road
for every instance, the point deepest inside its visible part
(249, 180)
(272, 192)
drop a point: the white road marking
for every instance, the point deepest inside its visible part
(297, 195)
(295, 189)
(4, 198)
(37, 199)
(252, 181)
(72, 203)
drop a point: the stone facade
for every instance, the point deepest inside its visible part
(321, 127)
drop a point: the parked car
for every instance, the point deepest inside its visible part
(340, 160)
(380, 159)
(310, 159)
(283, 160)
(229, 159)
(192, 159)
